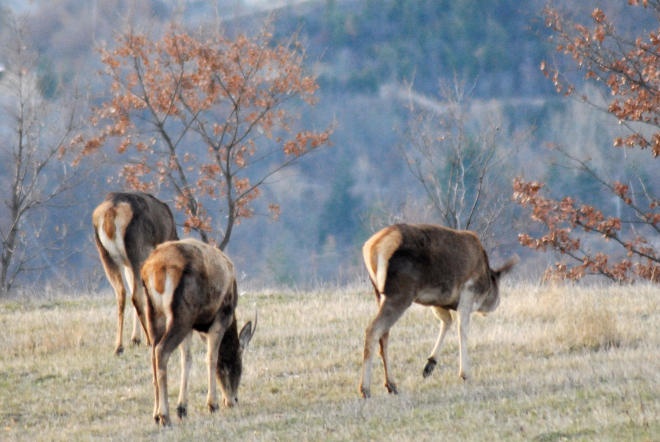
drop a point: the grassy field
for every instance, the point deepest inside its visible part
(552, 363)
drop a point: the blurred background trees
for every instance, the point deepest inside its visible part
(462, 162)
(40, 117)
(363, 55)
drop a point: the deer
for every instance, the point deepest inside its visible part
(430, 265)
(127, 228)
(191, 286)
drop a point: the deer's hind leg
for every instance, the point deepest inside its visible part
(131, 280)
(186, 364)
(390, 311)
(138, 297)
(389, 383)
(172, 338)
(113, 272)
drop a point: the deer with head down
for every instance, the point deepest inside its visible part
(191, 286)
(430, 265)
(127, 227)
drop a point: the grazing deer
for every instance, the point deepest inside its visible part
(127, 227)
(430, 265)
(191, 286)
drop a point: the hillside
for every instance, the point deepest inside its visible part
(367, 55)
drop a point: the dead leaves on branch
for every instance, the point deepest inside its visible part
(182, 76)
(224, 94)
(565, 220)
(629, 68)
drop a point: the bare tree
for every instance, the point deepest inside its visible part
(34, 138)
(460, 161)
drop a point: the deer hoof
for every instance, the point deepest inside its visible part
(163, 420)
(119, 350)
(213, 408)
(430, 365)
(136, 342)
(463, 375)
(391, 387)
(181, 411)
(229, 403)
(366, 393)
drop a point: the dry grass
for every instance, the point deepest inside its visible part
(553, 363)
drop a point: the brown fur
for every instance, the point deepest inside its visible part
(127, 228)
(433, 266)
(191, 286)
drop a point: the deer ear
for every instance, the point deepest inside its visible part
(245, 336)
(507, 266)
